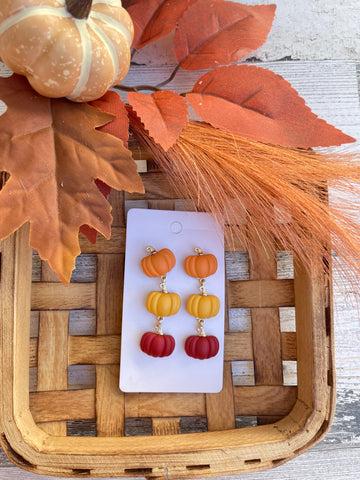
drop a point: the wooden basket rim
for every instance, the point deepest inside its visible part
(31, 448)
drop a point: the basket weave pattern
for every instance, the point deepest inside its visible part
(78, 328)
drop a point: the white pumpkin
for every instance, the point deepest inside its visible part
(62, 55)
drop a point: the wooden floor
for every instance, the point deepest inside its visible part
(328, 78)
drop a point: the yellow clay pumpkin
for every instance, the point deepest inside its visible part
(203, 306)
(62, 55)
(163, 304)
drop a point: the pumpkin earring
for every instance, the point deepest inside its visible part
(202, 306)
(161, 304)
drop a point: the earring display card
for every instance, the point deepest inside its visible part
(181, 232)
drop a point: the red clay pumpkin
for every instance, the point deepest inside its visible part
(159, 263)
(157, 345)
(202, 347)
(201, 266)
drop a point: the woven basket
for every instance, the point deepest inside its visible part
(155, 435)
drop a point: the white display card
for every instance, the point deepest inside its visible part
(181, 232)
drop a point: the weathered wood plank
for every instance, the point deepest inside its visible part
(166, 426)
(288, 345)
(164, 405)
(264, 400)
(238, 346)
(220, 408)
(265, 321)
(109, 294)
(95, 350)
(53, 360)
(55, 296)
(116, 244)
(267, 346)
(109, 402)
(65, 405)
(260, 293)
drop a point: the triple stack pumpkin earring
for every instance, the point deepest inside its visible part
(202, 306)
(161, 304)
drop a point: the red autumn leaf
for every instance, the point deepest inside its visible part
(119, 127)
(258, 104)
(53, 153)
(154, 19)
(127, 3)
(219, 33)
(164, 115)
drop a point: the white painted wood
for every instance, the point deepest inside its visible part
(302, 30)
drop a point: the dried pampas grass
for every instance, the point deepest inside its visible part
(267, 192)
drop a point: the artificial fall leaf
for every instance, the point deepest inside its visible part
(119, 127)
(154, 19)
(127, 3)
(53, 153)
(266, 192)
(220, 32)
(260, 105)
(164, 115)
(91, 233)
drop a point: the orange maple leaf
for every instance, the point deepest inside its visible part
(53, 153)
(119, 127)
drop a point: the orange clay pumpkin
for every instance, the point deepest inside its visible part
(163, 304)
(159, 263)
(203, 306)
(78, 55)
(201, 266)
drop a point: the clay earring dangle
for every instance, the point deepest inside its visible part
(161, 304)
(202, 306)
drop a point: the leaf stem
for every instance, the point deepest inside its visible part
(172, 76)
(137, 88)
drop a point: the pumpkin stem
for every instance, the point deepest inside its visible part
(79, 8)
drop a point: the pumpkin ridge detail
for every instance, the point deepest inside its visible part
(203, 306)
(86, 60)
(111, 23)
(68, 57)
(159, 263)
(201, 266)
(202, 348)
(157, 345)
(163, 304)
